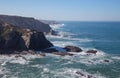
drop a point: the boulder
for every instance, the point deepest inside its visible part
(72, 49)
(92, 51)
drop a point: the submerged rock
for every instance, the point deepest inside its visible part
(50, 50)
(92, 51)
(106, 61)
(62, 53)
(72, 49)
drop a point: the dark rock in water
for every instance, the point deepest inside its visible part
(81, 74)
(90, 76)
(62, 53)
(72, 49)
(50, 50)
(39, 42)
(42, 54)
(106, 61)
(92, 51)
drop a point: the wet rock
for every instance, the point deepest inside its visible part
(92, 51)
(62, 53)
(90, 76)
(50, 50)
(31, 52)
(17, 56)
(24, 52)
(72, 49)
(42, 54)
(81, 74)
(106, 61)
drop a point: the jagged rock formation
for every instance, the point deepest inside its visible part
(26, 22)
(18, 38)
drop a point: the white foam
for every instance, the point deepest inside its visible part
(69, 38)
(56, 26)
(22, 59)
(62, 43)
(72, 73)
(88, 59)
(19, 60)
(116, 57)
(46, 69)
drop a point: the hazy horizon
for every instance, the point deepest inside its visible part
(63, 10)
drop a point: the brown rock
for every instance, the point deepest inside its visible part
(72, 49)
(92, 51)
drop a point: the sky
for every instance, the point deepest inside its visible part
(71, 10)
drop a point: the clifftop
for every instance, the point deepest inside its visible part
(26, 22)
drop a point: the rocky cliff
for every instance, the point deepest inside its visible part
(17, 34)
(26, 22)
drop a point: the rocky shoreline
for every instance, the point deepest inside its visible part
(24, 35)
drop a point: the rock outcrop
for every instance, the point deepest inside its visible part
(92, 51)
(72, 49)
(39, 42)
(15, 38)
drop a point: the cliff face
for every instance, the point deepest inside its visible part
(17, 38)
(26, 22)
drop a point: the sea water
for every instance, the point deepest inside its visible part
(101, 36)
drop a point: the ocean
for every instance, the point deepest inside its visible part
(101, 36)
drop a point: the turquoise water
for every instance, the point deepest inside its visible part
(102, 36)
